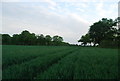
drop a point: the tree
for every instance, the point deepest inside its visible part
(32, 39)
(57, 40)
(6, 39)
(48, 39)
(99, 30)
(25, 37)
(41, 40)
(85, 39)
(16, 39)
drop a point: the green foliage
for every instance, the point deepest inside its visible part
(27, 38)
(85, 39)
(57, 40)
(99, 29)
(59, 62)
(102, 33)
(48, 39)
(6, 39)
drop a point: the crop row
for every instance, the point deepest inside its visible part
(16, 55)
(64, 69)
(30, 69)
(97, 64)
(85, 64)
(67, 63)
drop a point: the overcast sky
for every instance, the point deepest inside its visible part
(67, 18)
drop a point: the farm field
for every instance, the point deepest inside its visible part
(59, 62)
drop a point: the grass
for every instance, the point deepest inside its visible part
(18, 54)
(59, 62)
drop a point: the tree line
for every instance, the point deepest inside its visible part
(27, 38)
(104, 33)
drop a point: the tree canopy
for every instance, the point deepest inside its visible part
(27, 38)
(101, 32)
